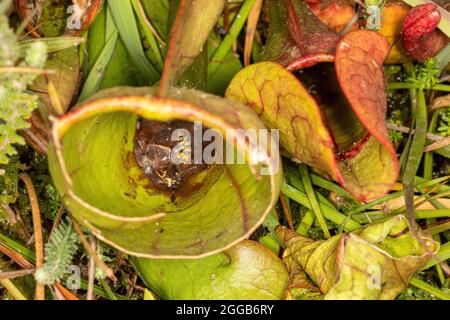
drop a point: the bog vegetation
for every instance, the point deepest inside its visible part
(357, 202)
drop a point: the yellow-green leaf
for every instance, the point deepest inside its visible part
(374, 263)
(93, 165)
(247, 271)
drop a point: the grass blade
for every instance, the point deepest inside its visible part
(422, 183)
(122, 12)
(235, 29)
(328, 185)
(53, 44)
(306, 223)
(416, 282)
(435, 213)
(311, 194)
(329, 212)
(149, 32)
(251, 30)
(96, 74)
(415, 155)
(442, 255)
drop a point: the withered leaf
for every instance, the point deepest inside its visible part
(374, 263)
(54, 18)
(66, 78)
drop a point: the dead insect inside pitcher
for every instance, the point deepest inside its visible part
(154, 147)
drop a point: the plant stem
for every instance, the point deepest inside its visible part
(108, 290)
(428, 174)
(328, 185)
(30, 256)
(236, 28)
(394, 195)
(422, 285)
(431, 214)
(402, 85)
(124, 18)
(330, 213)
(287, 212)
(429, 156)
(441, 87)
(402, 129)
(311, 194)
(91, 270)
(149, 31)
(53, 44)
(442, 255)
(12, 289)
(411, 85)
(435, 229)
(25, 70)
(15, 274)
(438, 145)
(99, 262)
(414, 158)
(37, 226)
(306, 223)
(251, 30)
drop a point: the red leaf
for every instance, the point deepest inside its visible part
(311, 35)
(420, 36)
(359, 67)
(334, 13)
(421, 20)
(332, 119)
(359, 60)
(297, 38)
